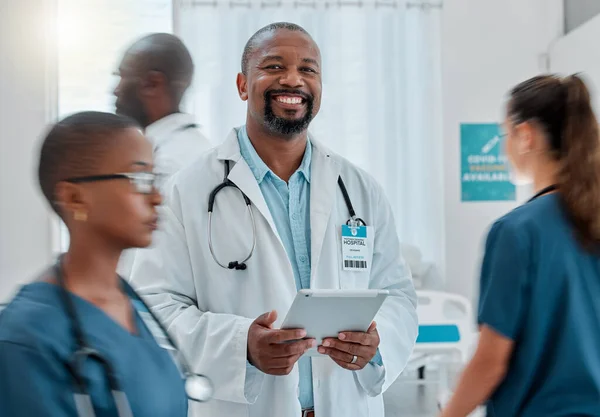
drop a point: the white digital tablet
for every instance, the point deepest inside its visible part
(326, 313)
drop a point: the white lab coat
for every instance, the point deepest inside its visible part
(209, 309)
(177, 141)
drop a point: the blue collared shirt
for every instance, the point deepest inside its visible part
(289, 204)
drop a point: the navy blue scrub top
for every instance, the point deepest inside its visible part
(36, 342)
(540, 289)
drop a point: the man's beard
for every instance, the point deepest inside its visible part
(134, 109)
(285, 126)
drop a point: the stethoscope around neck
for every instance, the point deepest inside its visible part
(241, 265)
(237, 265)
(198, 388)
(547, 190)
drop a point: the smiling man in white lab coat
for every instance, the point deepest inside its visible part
(155, 73)
(226, 318)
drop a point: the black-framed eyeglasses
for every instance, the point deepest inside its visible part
(144, 182)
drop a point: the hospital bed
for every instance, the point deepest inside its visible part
(446, 336)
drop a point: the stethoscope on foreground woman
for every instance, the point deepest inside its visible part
(197, 387)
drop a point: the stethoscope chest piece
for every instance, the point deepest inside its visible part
(198, 388)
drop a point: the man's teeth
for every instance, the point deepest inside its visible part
(289, 100)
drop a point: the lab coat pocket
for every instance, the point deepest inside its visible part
(355, 274)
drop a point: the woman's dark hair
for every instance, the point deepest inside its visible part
(563, 108)
(75, 147)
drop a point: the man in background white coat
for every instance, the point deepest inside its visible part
(155, 73)
(298, 206)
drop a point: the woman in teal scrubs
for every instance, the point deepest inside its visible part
(95, 170)
(539, 308)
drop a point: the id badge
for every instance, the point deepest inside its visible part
(354, 248)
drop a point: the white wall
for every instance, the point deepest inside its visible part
(579, 11)
(488, 46)
(579, 52)
(25, 236)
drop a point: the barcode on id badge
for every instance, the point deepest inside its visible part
(355, 264)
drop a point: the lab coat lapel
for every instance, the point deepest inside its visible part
(242, 176)
(323, 191)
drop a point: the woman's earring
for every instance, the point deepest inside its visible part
(80, 216)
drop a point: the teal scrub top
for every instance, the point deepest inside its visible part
(36, 343)
(541, 289)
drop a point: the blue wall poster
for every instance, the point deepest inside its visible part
(485, 172)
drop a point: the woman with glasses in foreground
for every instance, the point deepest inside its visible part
(539, 308)
(74, 343)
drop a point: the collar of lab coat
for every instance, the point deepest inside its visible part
(259, 167)
(162, 130)
(229, 150)
(325, 170)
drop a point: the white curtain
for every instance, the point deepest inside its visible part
(381, 104)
